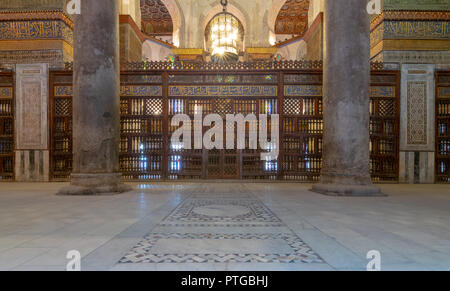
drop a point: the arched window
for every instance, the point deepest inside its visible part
(224, 36)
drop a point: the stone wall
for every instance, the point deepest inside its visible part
(130, 41)
(315, 8)
(293, 51)
(314, 36)
(131, 8)
(155, 51)
(314, 40)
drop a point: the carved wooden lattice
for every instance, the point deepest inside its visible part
(152, 93)
(219, 164)
(443, 127)
(302, 127)
(384, 126)
(61, 125)
(143, 144)
(6, 126)
(220, 67)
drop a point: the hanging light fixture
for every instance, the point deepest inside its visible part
(224, 34)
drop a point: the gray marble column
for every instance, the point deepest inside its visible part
(345, 169)
(96, 104)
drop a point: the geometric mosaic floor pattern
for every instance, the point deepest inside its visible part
(212, 227)
(296, 252)
(221, 210)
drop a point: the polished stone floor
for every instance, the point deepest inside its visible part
(224, 226)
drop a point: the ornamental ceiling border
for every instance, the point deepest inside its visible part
(409, 15)
(36, 15)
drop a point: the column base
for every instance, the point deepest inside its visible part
(348, 190)
(95, 184)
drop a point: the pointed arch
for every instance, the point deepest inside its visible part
(177, 21)
(273, 13)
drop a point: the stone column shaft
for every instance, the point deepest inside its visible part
(345, 169)
(96, 103)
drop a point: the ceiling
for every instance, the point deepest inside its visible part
(156, 19)
(293, 18)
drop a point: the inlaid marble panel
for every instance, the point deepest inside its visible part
(32, 106)
(417, 124)
(417, 110)
(30, 133)
(417, 113)
(31, 156)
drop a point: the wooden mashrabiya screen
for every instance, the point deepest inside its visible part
(6, 126)
(443, 127)
(153, 92)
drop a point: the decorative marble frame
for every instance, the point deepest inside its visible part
(415, 74)
(32, 77)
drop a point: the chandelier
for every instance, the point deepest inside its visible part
(224, 34)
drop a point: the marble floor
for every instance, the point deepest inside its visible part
(224, 226)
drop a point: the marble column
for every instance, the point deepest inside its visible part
(96, 113)
(345, 169)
